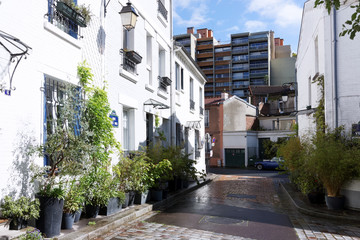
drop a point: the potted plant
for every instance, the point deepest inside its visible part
(133, 56)
(32, 234)
(19, 211)
(74, 199)
(334, 160)
(123, 175)
(117, 198)
(79, 14)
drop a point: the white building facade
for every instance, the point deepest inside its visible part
(188, 105)
(322, 52)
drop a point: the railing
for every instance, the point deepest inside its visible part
(240, 51)
(163, 83)
(162, 9)
(259, 47)
(201, 111)
(197, 154)
(192, 105)
(240, 68)
(239, 41)
(258, 56)
(62, 22)
(258, 65)
(259, 74)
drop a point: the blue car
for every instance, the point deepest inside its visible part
(274, 163)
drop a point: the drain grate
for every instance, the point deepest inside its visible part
(224, 221)
(241, 196)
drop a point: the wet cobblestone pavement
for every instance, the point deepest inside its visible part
(254, 195)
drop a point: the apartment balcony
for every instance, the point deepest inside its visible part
(164, 82)
(260, 56)
(258, 65)
(240, 78)
(162, 10)
(236, 42)
(240, 51)
(258, 75)
(197, 154)
(258, 38)
(259, 47)
(192, 105)
(184, 42)
(240, 69)
(201, 111)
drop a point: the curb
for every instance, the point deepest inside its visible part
(109, 223)
(315, 213)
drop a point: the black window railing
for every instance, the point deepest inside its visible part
(201, 110)
(162, 9)
(192, 105)
(63, 22)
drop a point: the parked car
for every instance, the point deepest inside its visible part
(274, 163)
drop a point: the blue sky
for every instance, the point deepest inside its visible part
(225, 17)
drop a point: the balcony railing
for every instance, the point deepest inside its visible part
(57, 17)
(197, 154)
(164, 82)
(201, 111)
(192, 105)
(259, 47)
(162, 9)
(260, 56)
(130, 60)
(258, 65)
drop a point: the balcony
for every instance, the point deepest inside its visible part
(164, 82)
(240, 51)
(258, 75)
(201, 111)
(258, 65)
(134, 56)
(239, 41)
(260, 56)
(162, 10)
(192, 105)
(197, 154)
(130, 60)
(259, 47)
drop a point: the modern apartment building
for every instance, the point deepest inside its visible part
(234, 66)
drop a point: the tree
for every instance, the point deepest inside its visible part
(351, 26)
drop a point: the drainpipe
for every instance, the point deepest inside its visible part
(172, 110)
(335, 71)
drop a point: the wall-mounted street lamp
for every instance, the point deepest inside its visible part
(128, 16)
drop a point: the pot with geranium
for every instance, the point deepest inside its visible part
(334, 160)
(19, 211)
(74, 200)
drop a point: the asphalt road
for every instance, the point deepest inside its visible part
(239, 202)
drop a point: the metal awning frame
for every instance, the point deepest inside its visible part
(155, 104)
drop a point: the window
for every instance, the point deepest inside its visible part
(161, 62)
(201, 109)
(161, 8)
(206, 118)
(192, 103)
(316, 55)
(63, 22)
(179, 77)
(130, 57)
(125, 122)
(149, 57)
(240, 58)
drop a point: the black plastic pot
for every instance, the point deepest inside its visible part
(17, 224)
(131, 198)
(112, 207)
(316, 197)
(140, 198)
(165, 193)
(67, 220)
(335, 203)
(51, 211)
(126, 201)
(91, 211)
(77, 215)
(156, 195)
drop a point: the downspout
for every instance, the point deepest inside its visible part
(335, 66)
(172, 120)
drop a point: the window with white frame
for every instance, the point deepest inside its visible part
(206, 118)
(149, 57)
(126, 132)
(201, 109)
(177, 76)
(192, 102)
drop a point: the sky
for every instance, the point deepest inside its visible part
(226, 17)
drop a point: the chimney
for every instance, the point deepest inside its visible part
(281, 42)
(203, 32)
(224, 95)
(210, 33)
(190, 30)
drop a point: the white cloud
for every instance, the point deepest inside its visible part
(198, 10)
(255, 26)
(282, 12)
(232, 29)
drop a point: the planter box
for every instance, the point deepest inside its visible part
(91, 211)
(134, 56)
(71, 14)
(20, 224)
(114, 205)
(140, 198)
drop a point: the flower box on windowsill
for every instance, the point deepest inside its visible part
(71, 13)
(134, 56)
(166, 81)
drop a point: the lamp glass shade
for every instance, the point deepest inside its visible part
(284, 98)
(128, 16)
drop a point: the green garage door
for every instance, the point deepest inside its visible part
(234, 157)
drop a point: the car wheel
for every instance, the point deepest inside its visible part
(259, 167)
